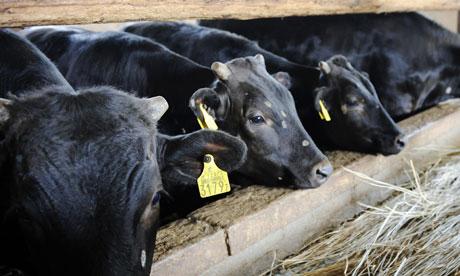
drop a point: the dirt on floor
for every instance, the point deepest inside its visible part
(179, 233)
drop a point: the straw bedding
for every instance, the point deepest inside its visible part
(416, 232)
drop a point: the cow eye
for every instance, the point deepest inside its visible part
(257, 119)
(352, 101)
(156, 198)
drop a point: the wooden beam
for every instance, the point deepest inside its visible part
(18, 13)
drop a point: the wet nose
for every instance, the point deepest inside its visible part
(393, 145)
(322, 171)
(396, 145)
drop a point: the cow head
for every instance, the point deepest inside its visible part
(83, 181)
(358, 119)
(249, 103)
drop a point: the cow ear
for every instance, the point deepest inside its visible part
(365, 74)
(320, 95)
(215, 104)
(4, 112)
(183, 155)
(158, 106)
(221, 70)
(4, 116)
(284, 78)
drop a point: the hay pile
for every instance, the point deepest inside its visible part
(417, 232)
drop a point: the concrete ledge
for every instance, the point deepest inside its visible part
(208, 252)
(246, 245)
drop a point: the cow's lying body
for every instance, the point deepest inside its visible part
(245, 100)
(370, 130)
(412, 61)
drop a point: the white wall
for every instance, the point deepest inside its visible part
(448, 19)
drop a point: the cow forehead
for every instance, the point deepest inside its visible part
(256, 80)
(264, 95)
(243, 62)
(72, 120)
(347, 76)
(88, 166)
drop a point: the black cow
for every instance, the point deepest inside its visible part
(412, 61)
(80, 171)
(355, 125)
(245, 100)
(82, 177)
(81, 187)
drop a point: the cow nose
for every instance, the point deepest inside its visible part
(392, 144)
(322, 172)
(399, 142)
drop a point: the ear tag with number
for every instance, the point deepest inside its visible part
(213, 180)
(324, 114)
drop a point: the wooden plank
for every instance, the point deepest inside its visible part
(17, 13)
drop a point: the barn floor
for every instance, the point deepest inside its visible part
(202, 231)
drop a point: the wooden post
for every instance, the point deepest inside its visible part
(458, 22)
(17, 13)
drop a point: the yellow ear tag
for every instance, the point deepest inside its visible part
(208, 119)
(324, 114)
(212, 181)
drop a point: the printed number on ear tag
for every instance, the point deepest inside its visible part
(208, 119)
(212, 181)
(324, 114)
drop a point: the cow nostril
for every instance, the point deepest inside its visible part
(323, 172)
(399, 142)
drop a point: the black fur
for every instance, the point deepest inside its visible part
(73, 208)
(80, 171)
(24, 67)
(137, 64)
(370, 131)
(411, 60)
(130, 63)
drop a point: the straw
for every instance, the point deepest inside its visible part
(416, 232)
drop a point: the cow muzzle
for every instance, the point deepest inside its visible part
(392, 144)
(317, 175)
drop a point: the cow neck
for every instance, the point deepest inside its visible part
(161, 149)
(304, 78)
(183, 77)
